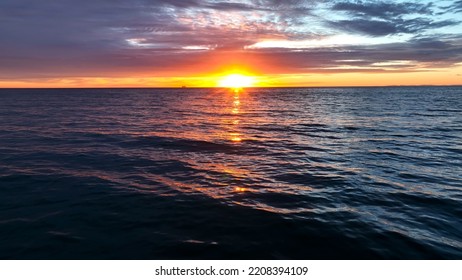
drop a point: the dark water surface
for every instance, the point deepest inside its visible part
(343, 173)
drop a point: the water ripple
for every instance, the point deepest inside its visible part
(340, 173)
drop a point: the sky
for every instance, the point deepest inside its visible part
(172, 43)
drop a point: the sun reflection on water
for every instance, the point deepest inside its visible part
(235, 135)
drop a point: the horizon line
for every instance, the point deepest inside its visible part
(257, 87)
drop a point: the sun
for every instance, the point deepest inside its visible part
(236, 81)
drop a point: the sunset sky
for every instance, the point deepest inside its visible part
(171, 43)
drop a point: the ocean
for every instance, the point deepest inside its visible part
(262, 173)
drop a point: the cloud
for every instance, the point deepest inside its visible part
(160, 37)
(384, 10)
(456, 7)
(382, 18)
(389, 27)
(414, 55)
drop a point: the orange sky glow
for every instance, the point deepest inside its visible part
(438, 77)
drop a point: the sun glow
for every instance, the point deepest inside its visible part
(236, 81)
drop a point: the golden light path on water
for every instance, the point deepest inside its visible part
(217, 121)
(235, 134)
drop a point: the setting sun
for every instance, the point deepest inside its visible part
(236, 81)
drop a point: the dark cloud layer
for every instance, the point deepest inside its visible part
(384, 10)
(389, 27)
(380, 18)
(113, 37)
(456, 7)
(414, 55)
